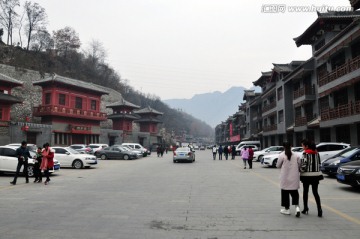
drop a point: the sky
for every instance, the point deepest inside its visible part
(175, 49)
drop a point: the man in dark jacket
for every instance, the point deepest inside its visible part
(22, 153)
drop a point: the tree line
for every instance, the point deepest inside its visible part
(60, 52)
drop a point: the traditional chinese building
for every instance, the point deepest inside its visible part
(148, 124)
(122, 118)
(72, 107)
(6, 101)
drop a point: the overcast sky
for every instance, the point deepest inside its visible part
(179, 48)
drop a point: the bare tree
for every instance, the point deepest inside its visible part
(96, 52)
(36, 19)
(66, 39)
(8, 16)
(42, 40)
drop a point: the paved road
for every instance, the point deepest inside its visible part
(155, 198)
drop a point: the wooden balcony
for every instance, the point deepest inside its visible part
(304, 91)
(52, 110)
(303, 120)
(341, 111)
(349, 66)
(270, 128)
(269, 107)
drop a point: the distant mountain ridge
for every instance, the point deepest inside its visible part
(213, 107)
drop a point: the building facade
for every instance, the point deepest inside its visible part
(317, 99)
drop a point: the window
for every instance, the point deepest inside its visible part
(60, 151)
(281, 116)
(93, 104)
(78, 103)
(8, 152)
(47, 98)
(62, 98)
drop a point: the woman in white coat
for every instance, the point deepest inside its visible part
(289, 179)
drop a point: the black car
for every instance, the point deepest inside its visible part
(349, 174)
(115, 152)
(331, 165)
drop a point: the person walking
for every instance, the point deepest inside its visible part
(22, 153)
(214, 151)
(251, 155)
(226, 152)
(37, 164)
(220, 151)
(245, 155)
(289, 163)
(47, 161)
(310, 175)
(233, 152)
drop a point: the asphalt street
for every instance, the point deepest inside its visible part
(154, 198)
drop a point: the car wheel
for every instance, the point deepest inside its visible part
(260, 158)
(77, 164)
(274, 163)
(30, 170)
(174, 161)
(103, 157)
(126, 157)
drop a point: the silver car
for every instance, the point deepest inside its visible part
(184, 154)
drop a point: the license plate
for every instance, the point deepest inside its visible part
(56, 167)
(181, 154)
(340, 177)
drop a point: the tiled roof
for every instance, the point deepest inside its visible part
(123, 102)
(264, 75)
(10, 80)
(71, 82)
(343, 17)
(10, 98)
(147, 110)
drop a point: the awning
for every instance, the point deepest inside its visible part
(290, 128)
(315, 122)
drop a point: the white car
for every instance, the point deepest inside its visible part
(96, 147)
(69, 157)
(258, 155)
(329, 149)
(271, 160)
(9, 161)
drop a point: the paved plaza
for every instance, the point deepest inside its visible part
(154, 198)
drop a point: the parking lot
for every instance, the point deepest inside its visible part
(152, 197)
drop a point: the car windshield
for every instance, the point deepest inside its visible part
(348, 152)
(124, 148)
(93, 146)
(72, 151)
(183, 149)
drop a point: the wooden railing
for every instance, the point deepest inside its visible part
(349, 66)
(269, 107)
(341, 111)
(68, 112)
(268, 128)
(307, 90)
(300, 121)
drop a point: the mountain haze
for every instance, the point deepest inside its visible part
(213, 107)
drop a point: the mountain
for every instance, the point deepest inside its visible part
(213, 107)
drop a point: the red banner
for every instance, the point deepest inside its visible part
(230, 129)
(235, 138)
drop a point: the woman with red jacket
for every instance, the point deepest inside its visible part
(47, 161)
(310, 174)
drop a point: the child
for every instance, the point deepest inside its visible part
(37, 171)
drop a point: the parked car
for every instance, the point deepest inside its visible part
(238, 149)
(139, 153)
(96, 147)
(258, 155)
(271, 160)
(202, 147)
(69, 157)
(9, 161)
(328, 149)
(31, 147)
(137, 146)
(184, 154)
(331, 165)
(82, 148)
(115, 152)
(349, 174)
